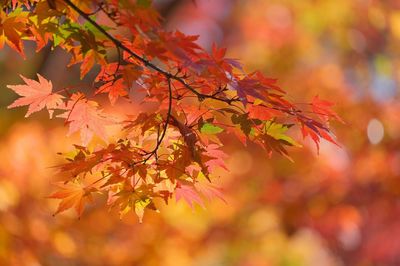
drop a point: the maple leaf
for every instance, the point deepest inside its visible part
(323, 109)
(316, 133)
(11, 27)
(140, 206)
(115, 89)
(88, 62)
(215, 157)
(36, 94)
(189, 194)
(311, 131)
(248, 87)
(278, 132)
(84, 116)
(14, 3)
(74, 194)
(127, 200)
(209, 191)
(165, 147)
(208, 128)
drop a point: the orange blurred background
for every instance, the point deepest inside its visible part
(338, 207)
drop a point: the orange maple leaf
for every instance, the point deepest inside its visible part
(11, 29)
(115, 89)
(36, 94)
(72, 195)
(84, 116)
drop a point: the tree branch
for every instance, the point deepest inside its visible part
(145, 62)
(169, 115)
(169, 76)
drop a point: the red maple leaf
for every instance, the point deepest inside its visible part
(36, 94)
(323, 109)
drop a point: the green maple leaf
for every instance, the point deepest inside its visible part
(277, 131)
(208, 128)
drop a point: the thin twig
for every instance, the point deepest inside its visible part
(146, 62)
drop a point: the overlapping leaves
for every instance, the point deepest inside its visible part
(189, 101)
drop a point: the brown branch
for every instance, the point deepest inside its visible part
(162, 136)
(169, 76)
(145, 62)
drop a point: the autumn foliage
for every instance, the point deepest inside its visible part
(335, 206)
(187, 102)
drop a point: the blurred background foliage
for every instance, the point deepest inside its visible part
(338, 207)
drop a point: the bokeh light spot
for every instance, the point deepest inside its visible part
(375, 131)
(8, 195)
(240, 162)
(64, 244)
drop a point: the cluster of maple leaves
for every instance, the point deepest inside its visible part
(191, 100)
